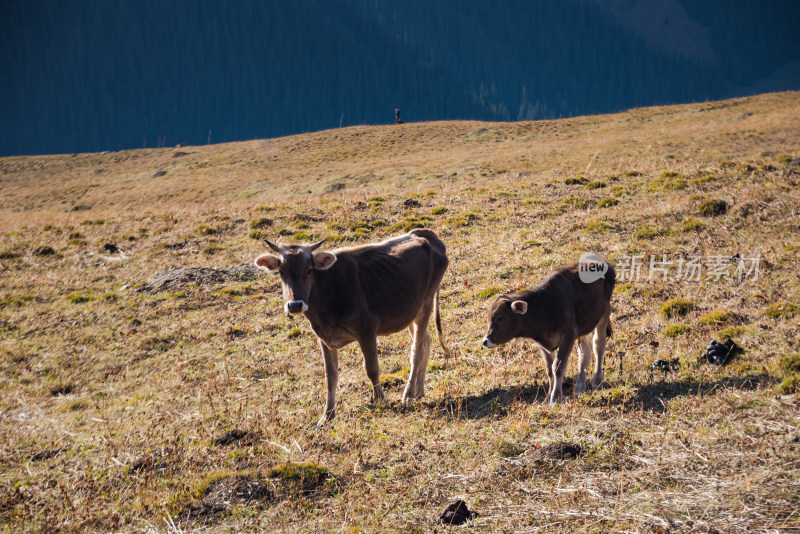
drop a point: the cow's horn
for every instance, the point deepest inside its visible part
(273, 246)
(315, 246)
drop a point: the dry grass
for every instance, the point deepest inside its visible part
(112, 398)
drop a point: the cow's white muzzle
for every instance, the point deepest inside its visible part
(295, 306)
(488, 343)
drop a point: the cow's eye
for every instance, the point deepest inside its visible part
(308, 272)
(498, 320)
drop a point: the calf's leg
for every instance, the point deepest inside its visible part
(584, 355)
(548, 357)
(600, 349)
(331, 357)
(560, 367)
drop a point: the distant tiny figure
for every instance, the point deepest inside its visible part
(397, 114)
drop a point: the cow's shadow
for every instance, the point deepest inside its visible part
(494, 402)
(654, 396)
(649, 397)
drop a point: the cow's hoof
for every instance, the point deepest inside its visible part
(377, 394)
(326, 418)
(599, 384)
(580, 387)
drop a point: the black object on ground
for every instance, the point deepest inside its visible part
(665, 365)
(457, 514)
(721, 353)
(110, 248)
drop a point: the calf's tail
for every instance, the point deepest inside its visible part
(438, 319)
(609, 330)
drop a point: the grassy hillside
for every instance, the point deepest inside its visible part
(113, 398)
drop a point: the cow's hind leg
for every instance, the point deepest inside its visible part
(331, 357)
(584, 355)
(600, 349)
(420, 353)
(369, 346)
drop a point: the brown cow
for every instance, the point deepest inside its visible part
(359, 293)
(562, 309)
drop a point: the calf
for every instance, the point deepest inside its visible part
(359, 293)
(556, 313)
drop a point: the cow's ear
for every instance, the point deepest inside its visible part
(324, 260)
(519, 306)
(268, 262)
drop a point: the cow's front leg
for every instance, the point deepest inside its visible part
(369, 346)
(560, 367)
(331, 357)
(548, 357)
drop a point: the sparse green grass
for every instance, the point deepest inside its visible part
(204, 229)
(646, 231)
(715, 318)
(790, 364)
(89, 388)
(261, 222)
(677, 329)
(679, 307)
(576, 181)
(778, 310)
(489, 292)
(713, 207)
(693, 225)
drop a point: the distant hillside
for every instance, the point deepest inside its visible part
(104, 76)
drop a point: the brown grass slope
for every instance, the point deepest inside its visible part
(111, 398)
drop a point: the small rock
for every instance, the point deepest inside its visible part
(411, 203)
(158, 174)
(457, 514)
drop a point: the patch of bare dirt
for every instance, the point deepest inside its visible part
(562, 450)
(221, 495)
(177, 278)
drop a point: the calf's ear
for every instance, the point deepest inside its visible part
(324, 260)
(268, 262)
(519, 306)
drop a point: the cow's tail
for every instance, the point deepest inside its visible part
(438, 319)
(609, 329)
